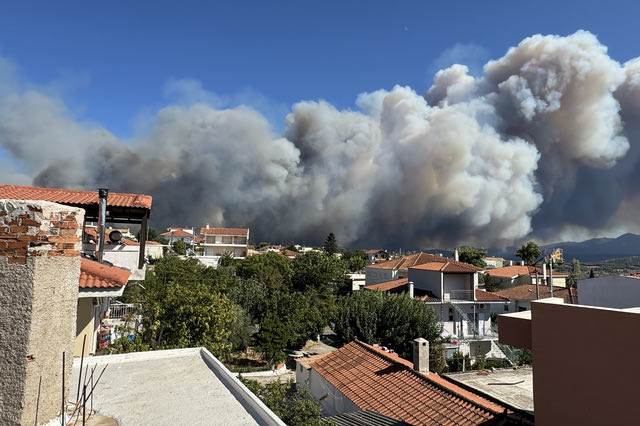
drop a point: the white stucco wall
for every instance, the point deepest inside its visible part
(426, 280)
(331, 399)
(375, 275)
(610, 292)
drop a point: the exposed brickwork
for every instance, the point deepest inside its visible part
(27, 231)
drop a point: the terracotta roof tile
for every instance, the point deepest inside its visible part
(402, 286)
(224, 231)
(75, 197)
(528, 292)
(98, 275)
(517, 270)
(415, 260)
(384, 383)
(448, 267)
(177, 233)
(388, 285)
(485, 296)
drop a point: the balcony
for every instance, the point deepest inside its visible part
(459, 295)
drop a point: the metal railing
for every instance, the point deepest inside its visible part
(460, 295)
(119, 310)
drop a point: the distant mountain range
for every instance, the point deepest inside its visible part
(596, 249)
(593, 250)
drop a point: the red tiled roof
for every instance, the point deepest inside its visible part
(448, 267)
(388, 285)
(70, 196)
(177, 233)
(377, 381)
(153, 243)
(224, 231)
(415, 260)
(98, 275)
(528, 292)
(402, 286)
(374, 251)
(517, 270)
(306, 361)
(127, 242)
(485, 296)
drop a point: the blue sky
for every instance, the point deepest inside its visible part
(110, 61)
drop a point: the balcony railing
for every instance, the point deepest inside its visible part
(459, 295)
(119, 310)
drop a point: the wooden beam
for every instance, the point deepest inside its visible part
(143, 239)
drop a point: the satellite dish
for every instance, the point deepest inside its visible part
(115, 236)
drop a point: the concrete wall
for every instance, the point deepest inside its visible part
(427, 280)
(610, 292)
(85, 326)
(40, 246)
(375, 275)
(595, 382)
(331, 399)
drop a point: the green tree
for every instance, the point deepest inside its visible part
(404, 319)
(263, 245)
(241, 329)
(330, 244)
(529, 252)
(294, 408)
(271, 268)
(273, 338)
(358, 316)
(316, 272)
(179, 247)
(391, 320)
(575, 274)
(354, 260)
(473, 256)
(182, 306)
(226, 260)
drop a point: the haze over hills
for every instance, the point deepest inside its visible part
(595, 249)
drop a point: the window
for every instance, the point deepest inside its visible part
(506, 308)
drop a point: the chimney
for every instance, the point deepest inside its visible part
(544, 273)
(456, 256)
(421, 355)
(411, 289)
(207, 227)
(103, 193)
(522, 263)
(511, 263)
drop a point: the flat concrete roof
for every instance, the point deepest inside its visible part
(173, 387)
(513, 387)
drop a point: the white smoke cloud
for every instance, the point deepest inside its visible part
(476, 160)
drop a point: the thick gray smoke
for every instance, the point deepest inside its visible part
(545, 144)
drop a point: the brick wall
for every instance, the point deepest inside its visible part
(39, 271)
(28, 231)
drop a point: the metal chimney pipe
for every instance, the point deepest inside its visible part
(103, 193)
(456, 255)
(411, 289)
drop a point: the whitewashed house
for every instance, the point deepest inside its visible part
(218, 241)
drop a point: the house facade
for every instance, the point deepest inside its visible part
(520, 297)
(359, 376)
(376, 256)
(218, 241)
(616, 291)
(515, 275)
(397, 268)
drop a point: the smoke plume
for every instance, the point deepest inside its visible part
(545, 144)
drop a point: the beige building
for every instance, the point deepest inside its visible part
(584, 370)
(39, 271)
(511, 276)
(218, 241)
(98, 283)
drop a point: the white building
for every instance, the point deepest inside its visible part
(218, 241)
(618, 292)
